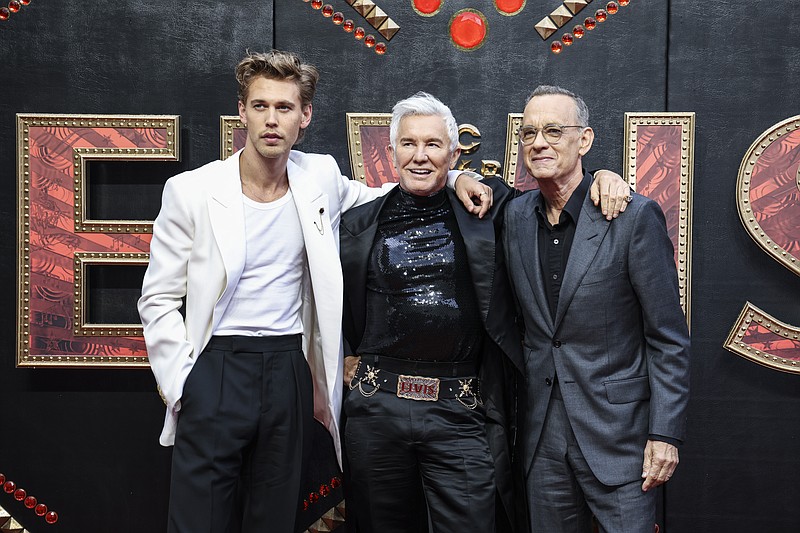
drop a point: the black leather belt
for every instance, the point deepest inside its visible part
(418, 380)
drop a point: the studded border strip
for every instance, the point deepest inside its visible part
(737, 341)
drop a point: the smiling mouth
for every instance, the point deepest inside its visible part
(420, 171)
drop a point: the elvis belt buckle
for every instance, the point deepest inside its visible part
(418, 388)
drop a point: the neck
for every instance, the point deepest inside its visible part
(263, 179)
(557, 192)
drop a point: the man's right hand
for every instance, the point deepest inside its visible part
(350, 366)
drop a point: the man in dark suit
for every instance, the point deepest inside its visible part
(428, 310)
(606, 346)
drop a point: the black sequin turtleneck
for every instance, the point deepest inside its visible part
(421, 302)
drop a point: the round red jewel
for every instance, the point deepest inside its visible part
(369, 40)
(556, 47)
(567, 39)
(20, 494)
(468, 29)
(578, 31)
(623, 3)
(324, 490)
(348, 26)
(4, 13)
(24, 2)
(30, 502)
(51, 517)
(359, 33)
(313, 497)
(427, 8)
(338, 18)
(40, 509)
(589, 23)
(380, 49)
(305, 505)
(612, 8)
(2, 478)
(316, 4)
(601, 15)
(335, 482)
(14, 6)
(509, 7)
(327, 10)
(9, 486)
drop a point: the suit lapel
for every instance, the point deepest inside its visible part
(589, 234)
(528, 243)
(479, 241)
(226, 213)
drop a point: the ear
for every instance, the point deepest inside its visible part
(454, 157)
(241, 113)
(307, 112)
(587, 138)
(390, 152)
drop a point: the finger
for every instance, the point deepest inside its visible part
(594, 193)
(486, 202)
(605, 195)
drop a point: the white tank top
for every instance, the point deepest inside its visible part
(266, 301)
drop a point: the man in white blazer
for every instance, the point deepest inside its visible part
(248, 247)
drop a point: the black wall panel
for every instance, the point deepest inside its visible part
(85, 441)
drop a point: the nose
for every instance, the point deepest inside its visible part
(420, 153)
(539, 142)
(271, 116)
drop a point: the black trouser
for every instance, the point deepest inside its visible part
(242, 437)
(399, 450)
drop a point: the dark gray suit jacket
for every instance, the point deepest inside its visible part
(619, 342)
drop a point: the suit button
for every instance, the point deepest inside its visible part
(557, 343)
(548, 381)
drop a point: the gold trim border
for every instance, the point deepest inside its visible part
(354, 123)
(743, 192)
(512, 148)
(686, 120)
(80, 326)
(227, 124)
(752, 313)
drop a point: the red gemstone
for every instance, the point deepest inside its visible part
(9, 486)
(468, 29)
(578, 31)
(359, 33)
(51, 517)
(623, 3)
(324, 490)
(556, 47)
(612, 8)
(567, 39)
(338, 18)
(335, 482)
(24, 2)
(4, 13)
(327, 10)
(313, 497)
(589, 23)
(601, 15)
(427, 7)
(509, 7)
(369, 40)
(2, 478)
(30, 502)
(40, 509)
(316, 4)
(20, 494)
(380, 49)
(14, 6)
(305, 505)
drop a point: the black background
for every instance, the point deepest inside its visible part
(84, 441)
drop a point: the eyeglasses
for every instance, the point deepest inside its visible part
(552, 133)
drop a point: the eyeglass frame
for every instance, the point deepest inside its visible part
(536, 132)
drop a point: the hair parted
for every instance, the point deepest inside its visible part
(423, 104)
(581, 110)
(277, 65)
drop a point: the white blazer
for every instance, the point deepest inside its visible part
(198, 252)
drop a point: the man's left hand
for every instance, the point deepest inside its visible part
(611, 192)
(660, 461)
(475, 196)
